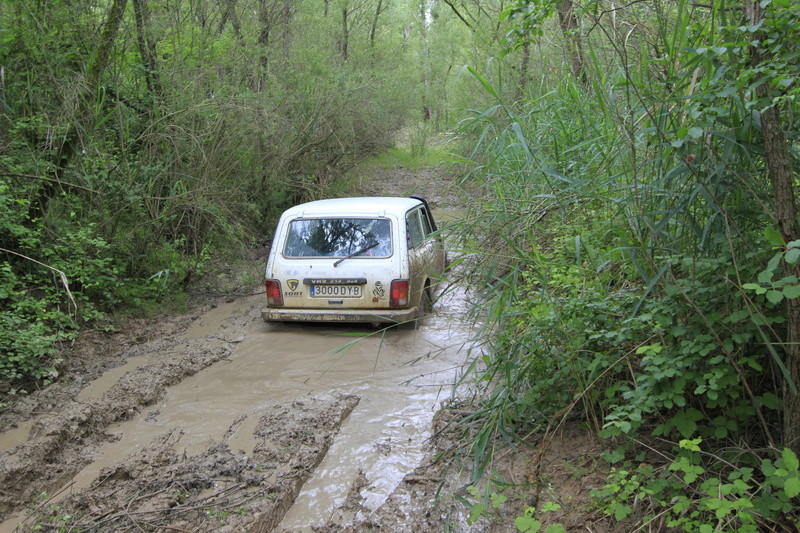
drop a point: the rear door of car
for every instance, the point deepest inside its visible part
(361, 281)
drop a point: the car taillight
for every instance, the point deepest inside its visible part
(274, 296)
(398, 293)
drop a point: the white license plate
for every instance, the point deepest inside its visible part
(336, 291)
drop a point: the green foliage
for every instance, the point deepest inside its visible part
(27, 349)
(743, 498)
(527, 18)
(625, 221)
(484, 503)
(785, 287)
(527, 523)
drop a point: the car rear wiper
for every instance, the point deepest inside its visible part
(361, 251)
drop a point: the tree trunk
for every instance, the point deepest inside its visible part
(524, 70)
(569, 27)
(230, 15)
(147, 50)
(780, 174)
(374, 29)
(288, 15)
(779, 169)
(99, 61)
(345, 33)
(425, 67)
(265, 19)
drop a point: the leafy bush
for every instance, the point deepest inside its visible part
(697, 491)
(626, 282)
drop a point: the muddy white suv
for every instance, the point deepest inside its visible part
(372, 260)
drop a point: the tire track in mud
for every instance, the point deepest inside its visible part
(216, 490)
(56, 447)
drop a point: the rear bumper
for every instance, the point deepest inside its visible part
(383, 316)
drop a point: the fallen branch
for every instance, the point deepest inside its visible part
(61, 274)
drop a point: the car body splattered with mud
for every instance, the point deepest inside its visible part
(372, 259)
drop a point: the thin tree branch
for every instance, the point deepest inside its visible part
(53, 180)
(458, 14)
(61, 274)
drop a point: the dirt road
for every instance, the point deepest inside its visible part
(216, 421)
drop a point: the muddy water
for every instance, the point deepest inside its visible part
(401, 377)
(18, 435)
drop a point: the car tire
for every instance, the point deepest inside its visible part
(425, 305)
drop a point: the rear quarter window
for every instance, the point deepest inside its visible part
(415, 233)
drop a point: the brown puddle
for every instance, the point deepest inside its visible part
(96, 388)
(18, 435)
(401, 376)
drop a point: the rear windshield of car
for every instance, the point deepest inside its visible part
(339, 237)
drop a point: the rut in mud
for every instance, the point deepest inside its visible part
(217, 489)
(217, 421)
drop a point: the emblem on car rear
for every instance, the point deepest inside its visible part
(292, 283)
(379, 291)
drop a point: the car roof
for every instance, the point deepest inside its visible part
(362, 206)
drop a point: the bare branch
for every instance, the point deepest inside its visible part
(53, 180)
(458, 14)
(61, 274)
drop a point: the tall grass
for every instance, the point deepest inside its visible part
(623, 219)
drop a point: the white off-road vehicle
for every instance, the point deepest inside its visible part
(374, 260)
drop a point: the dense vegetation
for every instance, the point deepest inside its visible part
(637, 168)
(642, 191)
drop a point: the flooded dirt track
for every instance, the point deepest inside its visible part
(238, 425)
(217, 421)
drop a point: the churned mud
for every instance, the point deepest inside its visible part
(54, 448)
(217, 489)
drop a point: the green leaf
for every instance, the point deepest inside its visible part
(527, 524)
(792, 486)
(765, 276)
(768, 400)
(549, 507)
(695, 132)
(774, 296)
(726, 91)
(792, 291)
(486, 85)
(615, 456)
(792, 256)
(754, 287)
(693, 444)
(773, 263)
(773, 236)
(790, 460)
(621, 511)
